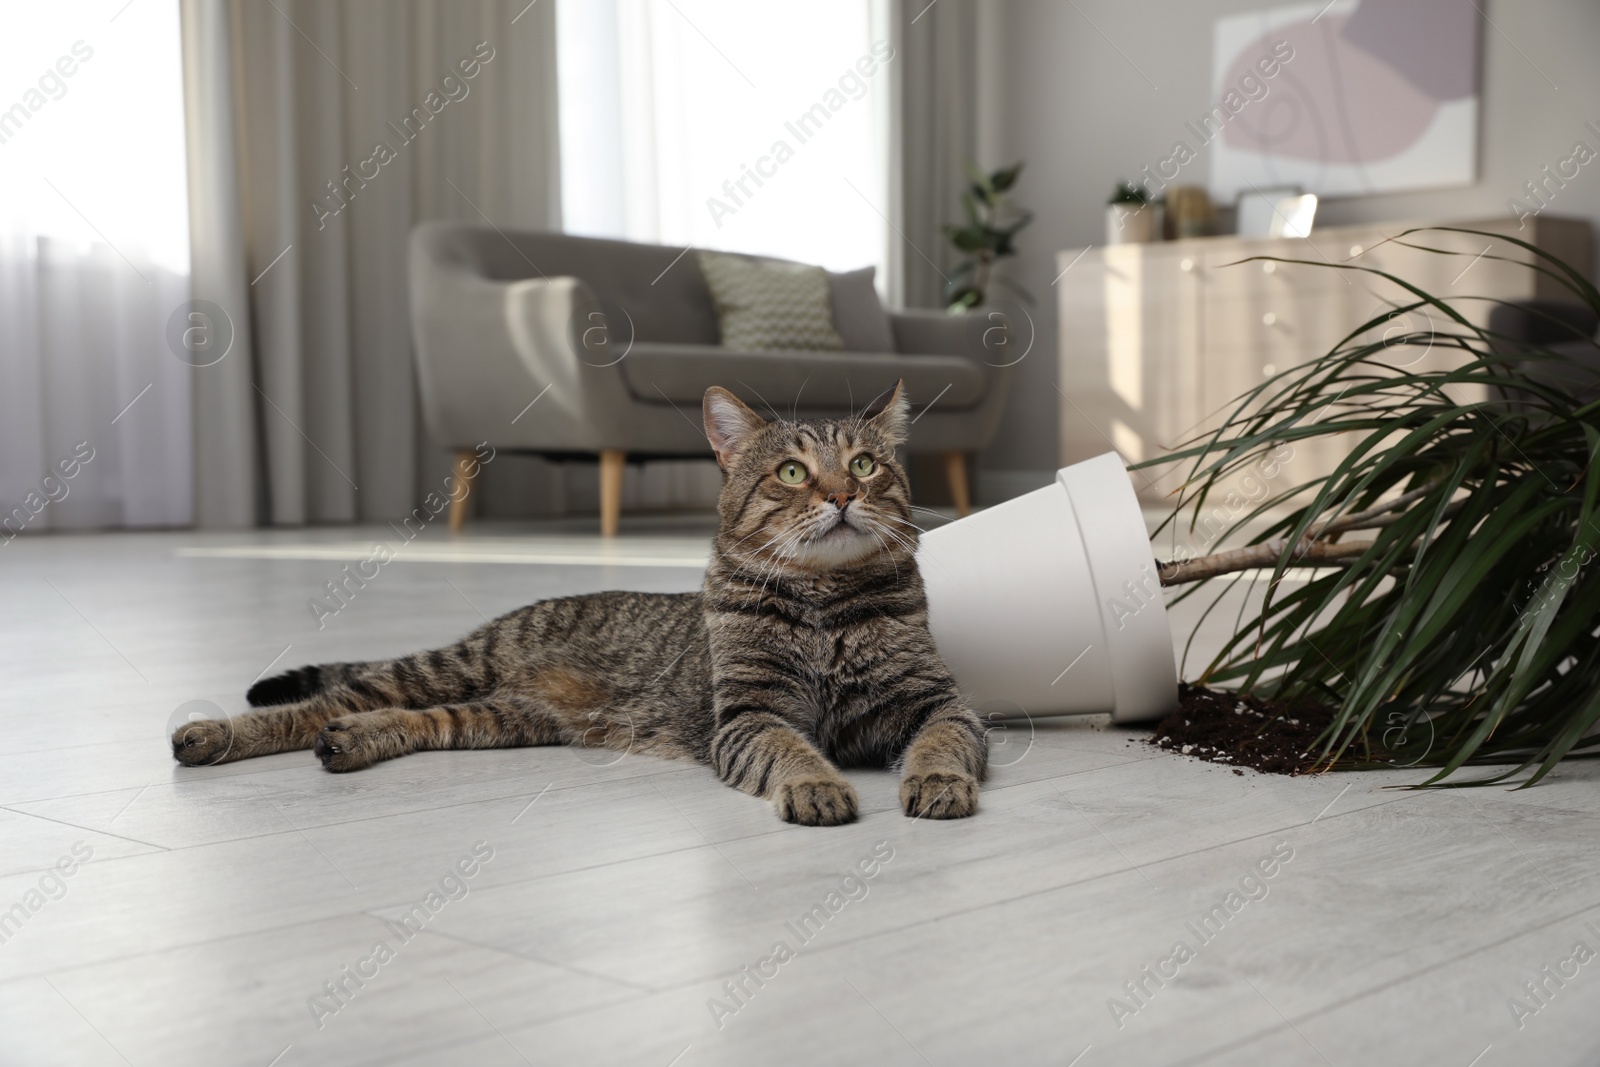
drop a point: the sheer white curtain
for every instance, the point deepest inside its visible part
(936, 137)
(757, 128)
(95, 426)
(321, 132)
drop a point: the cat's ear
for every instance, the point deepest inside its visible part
(728, 423)
(888, 413)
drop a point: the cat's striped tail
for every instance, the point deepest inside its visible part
(303, 683)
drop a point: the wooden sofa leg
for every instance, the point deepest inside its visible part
(612, 462)
(466, 470)
(955, 473)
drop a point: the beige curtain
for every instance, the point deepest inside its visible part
(934, 123)
(320, 132)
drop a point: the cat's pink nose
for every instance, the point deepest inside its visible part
(840, 497)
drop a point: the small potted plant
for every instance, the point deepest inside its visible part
(1131, 216)
(987, 236)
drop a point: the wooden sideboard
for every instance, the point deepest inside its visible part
(1157, 340)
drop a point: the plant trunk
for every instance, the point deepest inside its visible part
(1266, 554)
(1318, 545)
(980, 278)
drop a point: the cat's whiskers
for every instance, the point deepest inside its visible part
(782, 555)
(758, 530)
(766, 563)
(938, 562)
(878, 531)
(790, 539)
(899, 539)
(905, 522)
(905, 542)
(779, 536)
(877, 518)
(883, 549)
(746, 537)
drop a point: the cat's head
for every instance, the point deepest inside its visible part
(812, 495)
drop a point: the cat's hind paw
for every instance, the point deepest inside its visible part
(939, 795)
(816, 802)
(352, 742)
(202, 742)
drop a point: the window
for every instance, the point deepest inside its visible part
(91, 129)
(94, 260)
(746, 127)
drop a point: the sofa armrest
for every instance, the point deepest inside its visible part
(982, 337)
(931, 333)
(543, 318)
(485, 348)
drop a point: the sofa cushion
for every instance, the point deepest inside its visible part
(767, 305)
(858, 313)
(656, 287)
(819, 381)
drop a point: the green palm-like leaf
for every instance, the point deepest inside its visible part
(1474, 611)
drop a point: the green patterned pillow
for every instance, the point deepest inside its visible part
(767, 305)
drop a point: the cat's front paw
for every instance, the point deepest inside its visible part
(202, 742)
(816, 801)
(352, 742)
(939, 795)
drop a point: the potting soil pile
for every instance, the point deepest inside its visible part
(1243, 731)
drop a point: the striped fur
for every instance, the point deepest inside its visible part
(806, 649)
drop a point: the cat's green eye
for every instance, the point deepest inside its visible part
(862, 465)
(791, 473)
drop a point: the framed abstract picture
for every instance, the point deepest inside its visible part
(1347, 98)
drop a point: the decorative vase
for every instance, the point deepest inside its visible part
(1128, 222)
(1049, 604)
(1189, 212)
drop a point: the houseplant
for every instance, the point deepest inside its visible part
(1450, 615)
(986, 236)
(1451, 588)
(1131, 216)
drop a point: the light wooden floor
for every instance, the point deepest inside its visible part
(622, 895)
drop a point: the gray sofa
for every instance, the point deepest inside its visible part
(619, 341)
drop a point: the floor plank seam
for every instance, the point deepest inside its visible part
(175, 849)
(76, 826)
(668, 772)
(836, 944)
(386, 1058)
(849, 940)
(638, 987)
(149, 785)
(832, 946)
(331, 825)
(780, 829)
(185, 946)
(1382, 986)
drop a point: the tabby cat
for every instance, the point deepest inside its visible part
(806, 649)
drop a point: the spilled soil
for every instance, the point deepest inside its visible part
(1243, 731)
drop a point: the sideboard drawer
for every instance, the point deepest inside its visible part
(1158, 342)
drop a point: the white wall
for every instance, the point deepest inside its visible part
(1083, 115)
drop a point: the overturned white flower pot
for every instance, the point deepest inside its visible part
(1049, 604)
